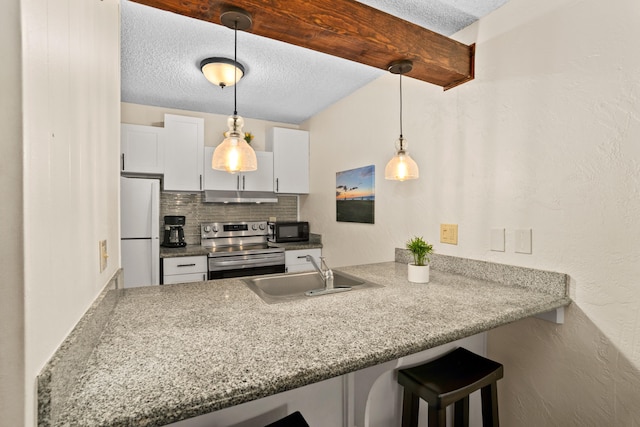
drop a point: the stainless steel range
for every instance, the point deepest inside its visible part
(238, 249)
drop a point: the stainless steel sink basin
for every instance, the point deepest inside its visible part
(293, 286)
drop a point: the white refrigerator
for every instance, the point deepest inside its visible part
(139, 232)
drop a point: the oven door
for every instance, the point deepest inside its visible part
(231, 265)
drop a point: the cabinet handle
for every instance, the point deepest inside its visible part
(204, 277)
(243, 182)
(302, 256)
(201, 181)
(238, 182)
(122, 161)
(187, 265)
(277, 185)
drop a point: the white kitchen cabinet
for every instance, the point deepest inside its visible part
(184, 144)
(295, 260)
(290, 160)
(141, 149)
(184, 269)
(258, 180)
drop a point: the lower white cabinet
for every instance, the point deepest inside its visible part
(184, 269)
(295, 262)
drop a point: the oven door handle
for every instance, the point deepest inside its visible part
(217, 263)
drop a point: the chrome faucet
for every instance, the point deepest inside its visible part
(323, 270)
(327, 278)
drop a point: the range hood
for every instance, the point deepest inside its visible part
(217, 196)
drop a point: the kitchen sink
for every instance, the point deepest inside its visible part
(277, 288)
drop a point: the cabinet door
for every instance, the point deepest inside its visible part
(290, 160)
(295, 262)
(218, 180)
(142, 149)
(261, 179)
(184, 278)
(183, 153)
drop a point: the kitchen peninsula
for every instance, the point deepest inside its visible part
(173, 352)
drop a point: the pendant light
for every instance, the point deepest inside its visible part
(234, 154)
(401, 167)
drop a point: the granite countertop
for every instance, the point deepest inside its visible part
(176, 351)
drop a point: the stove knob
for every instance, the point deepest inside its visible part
(262, 226)
(207, 228)
(215, 228)
(254, 227)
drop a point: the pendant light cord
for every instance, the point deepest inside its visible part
(235, 73)
(401, 109)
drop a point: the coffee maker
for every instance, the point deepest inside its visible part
(173, 231)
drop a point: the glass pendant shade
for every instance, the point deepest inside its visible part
(401, 167)
(222, 72)
(234, 154)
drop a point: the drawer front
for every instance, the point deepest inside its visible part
(184, 265)
(297, 257)
(184, 278)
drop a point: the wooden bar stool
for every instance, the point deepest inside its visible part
(451, 379)
(292, 420)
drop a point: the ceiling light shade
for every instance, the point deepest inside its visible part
(222, 72)
(401, 167)
(234, 154)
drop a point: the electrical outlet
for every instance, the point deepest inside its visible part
(104, 256)
(497, 239)
(272, 219)
(449, 233)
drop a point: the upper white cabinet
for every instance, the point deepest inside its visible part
(142, 149)
(184, 144)
(258, 180)
(290, 160)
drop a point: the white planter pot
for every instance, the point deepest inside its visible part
(418, 273)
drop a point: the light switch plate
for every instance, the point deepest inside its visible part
(449, 233)
(497, 239)
(523, 241)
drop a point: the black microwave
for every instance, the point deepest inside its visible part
(280, 232)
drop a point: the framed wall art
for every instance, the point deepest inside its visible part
(355, 195)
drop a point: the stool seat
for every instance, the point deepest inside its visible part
(450, 379)
(292, 420)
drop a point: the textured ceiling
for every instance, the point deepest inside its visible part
(161, 53)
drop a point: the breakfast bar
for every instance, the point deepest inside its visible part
(173, 352)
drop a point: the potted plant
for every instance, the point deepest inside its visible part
(419, 268)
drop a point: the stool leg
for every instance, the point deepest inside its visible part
(490, 406)
(437, 417)
(461, 412)
(410, 406)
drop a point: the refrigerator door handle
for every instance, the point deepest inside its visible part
(155, 233)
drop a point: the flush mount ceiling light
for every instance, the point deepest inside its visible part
(222, 72)
(401, 167)
(234, 154)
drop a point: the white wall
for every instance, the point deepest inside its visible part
(71, 88)
(546, 137)
(11, 252)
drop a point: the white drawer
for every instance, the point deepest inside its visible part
(184, 278)
(295, 260)
(184, 265)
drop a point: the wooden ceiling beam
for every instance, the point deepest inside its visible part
(346, 29)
